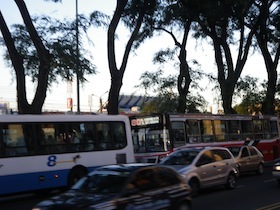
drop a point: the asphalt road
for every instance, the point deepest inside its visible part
(253, 192)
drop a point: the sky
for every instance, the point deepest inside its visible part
(99, 84)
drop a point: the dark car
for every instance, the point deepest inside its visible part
(204, 167)
(276, 170)
(128, 186)
(249, 159)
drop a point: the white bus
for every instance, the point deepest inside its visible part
(42, 152)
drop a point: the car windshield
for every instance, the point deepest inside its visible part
(102, 182)
(234, 150)
(180, 158)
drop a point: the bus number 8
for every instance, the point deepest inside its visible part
(51, 160)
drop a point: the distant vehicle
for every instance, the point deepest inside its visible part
(276, 170)
(204, 167)
(249, 159)
(156, 135)
(53, 151)
(127, 186)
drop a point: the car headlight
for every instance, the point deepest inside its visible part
(276, 168)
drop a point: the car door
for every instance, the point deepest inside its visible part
(206, 169)
(254, 158)
(245, 160)
(223, 162)
(141, 192)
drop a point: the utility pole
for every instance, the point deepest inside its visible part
(77, 60)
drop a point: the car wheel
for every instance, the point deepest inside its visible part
(231, 181)
(260, 169)
(194, 184)
(184, 206)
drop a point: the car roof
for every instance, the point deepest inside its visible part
(241, 146)
(124, 167)
(198, 149)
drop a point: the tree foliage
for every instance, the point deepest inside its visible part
(58, 37)
(167, 98)
(42, 52)
(251, 94)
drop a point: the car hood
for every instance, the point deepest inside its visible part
(74, 198)
(180, 168)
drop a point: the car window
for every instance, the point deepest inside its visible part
(167, 178)
(234, 150)
(221, 155)
(253, 151)
(102, 183)
(244, 152)
(180, 158)
(205, 158)
(143, 180)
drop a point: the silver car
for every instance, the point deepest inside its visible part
(249, 159)
(204, 167)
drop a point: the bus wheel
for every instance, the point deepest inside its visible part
(76, 174)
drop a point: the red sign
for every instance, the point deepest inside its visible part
(69, 103)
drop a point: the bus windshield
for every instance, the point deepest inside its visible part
(148, 140)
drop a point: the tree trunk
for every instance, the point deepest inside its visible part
(44, 68)
(23, 106)
(184, 78)
(113, 105)
(117, 74)
(271, 66)
(227, 93)
(268, 106)
(183, 83)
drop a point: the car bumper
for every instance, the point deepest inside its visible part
(276, 174)
(276, 170)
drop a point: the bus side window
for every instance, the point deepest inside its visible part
(274, 129)
(247, 129)
(118, 135)
(266, 128)
(234, 128)
(220, 130)
(87, 139)
(15, 141)
(179, 133)
(193, 131)
(207, 131)
(258, 129)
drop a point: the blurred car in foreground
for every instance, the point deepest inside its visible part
(249, 159)
(276, 170)
(204, 167)
(128, 186)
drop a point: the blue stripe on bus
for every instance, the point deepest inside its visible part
(33, 181)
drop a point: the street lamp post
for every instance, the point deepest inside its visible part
(77, 59)
(100, 101)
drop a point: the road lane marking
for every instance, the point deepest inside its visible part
(270, 207)
(270, 180)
